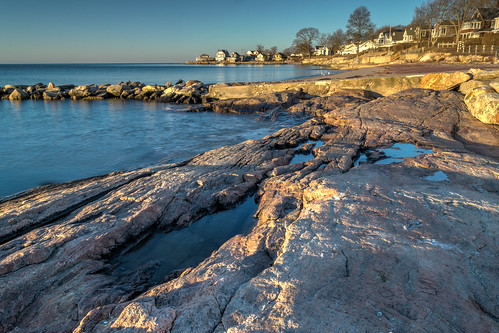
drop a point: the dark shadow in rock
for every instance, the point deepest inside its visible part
(187, 247)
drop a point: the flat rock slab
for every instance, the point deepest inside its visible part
(337, 247)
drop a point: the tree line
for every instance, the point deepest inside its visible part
(360, 27)
(456, 12)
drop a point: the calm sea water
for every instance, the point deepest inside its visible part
(58, 141)
(150, 73)
(53, 142)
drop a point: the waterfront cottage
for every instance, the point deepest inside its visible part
(222, 55)
(352, 48)
(262, 57)
(321, 50)
(409, 35)
(204, 58)
(390, 37)
(234, 57)
(443, 29)
(279, 57)
(484, 20)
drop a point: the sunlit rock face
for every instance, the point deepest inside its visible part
(338, 245)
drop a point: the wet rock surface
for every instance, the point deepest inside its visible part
(337, 246)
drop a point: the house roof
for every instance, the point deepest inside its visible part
(488, 14)
(410, 31)
(445, 22)
(397, 35)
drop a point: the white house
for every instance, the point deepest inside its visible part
(352, 48)
(484, 20)
(222, 55)
(262, 57)
(321, 50)
(390, 37)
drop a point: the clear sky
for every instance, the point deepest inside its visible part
(66, 31)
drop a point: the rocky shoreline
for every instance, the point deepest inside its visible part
(190, 92)
(354, 237)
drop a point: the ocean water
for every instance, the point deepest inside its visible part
(53, 142)
(150, 73)
(58, 141)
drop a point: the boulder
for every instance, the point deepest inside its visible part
(150, 88)
(427, 57)
(80, 92)
(52, 95)
(443, 81)
(468, 86)
(66, 86)
(486, 75)
(18, 94)
(51, 86)
(115, 90)
(193, 82)
(495, 84)
(483, 103)
(37, 94)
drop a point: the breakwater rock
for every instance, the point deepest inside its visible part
(190, 92)
(354, 236)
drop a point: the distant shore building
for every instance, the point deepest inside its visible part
(221, 55)
(443, 29)
(262, 57)
(409, 35)
(279, 57)
(352, 48)
(204, 58)
(390, 37)
(483, 21)
(321, 50)
(234, 57)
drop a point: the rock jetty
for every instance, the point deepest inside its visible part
(363, 235)
(190, 92)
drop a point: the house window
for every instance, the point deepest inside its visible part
(443, 31)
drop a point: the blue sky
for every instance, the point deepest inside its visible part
(56, 31)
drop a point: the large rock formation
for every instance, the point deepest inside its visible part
(483, 103)
(339, 245)
(443, 81)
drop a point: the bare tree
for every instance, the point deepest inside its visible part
(288, 51)
(273, 50)
(333, 41)
(360, 27)
(260, 48)
(427, 15)
(304, 40)
(459, 11)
